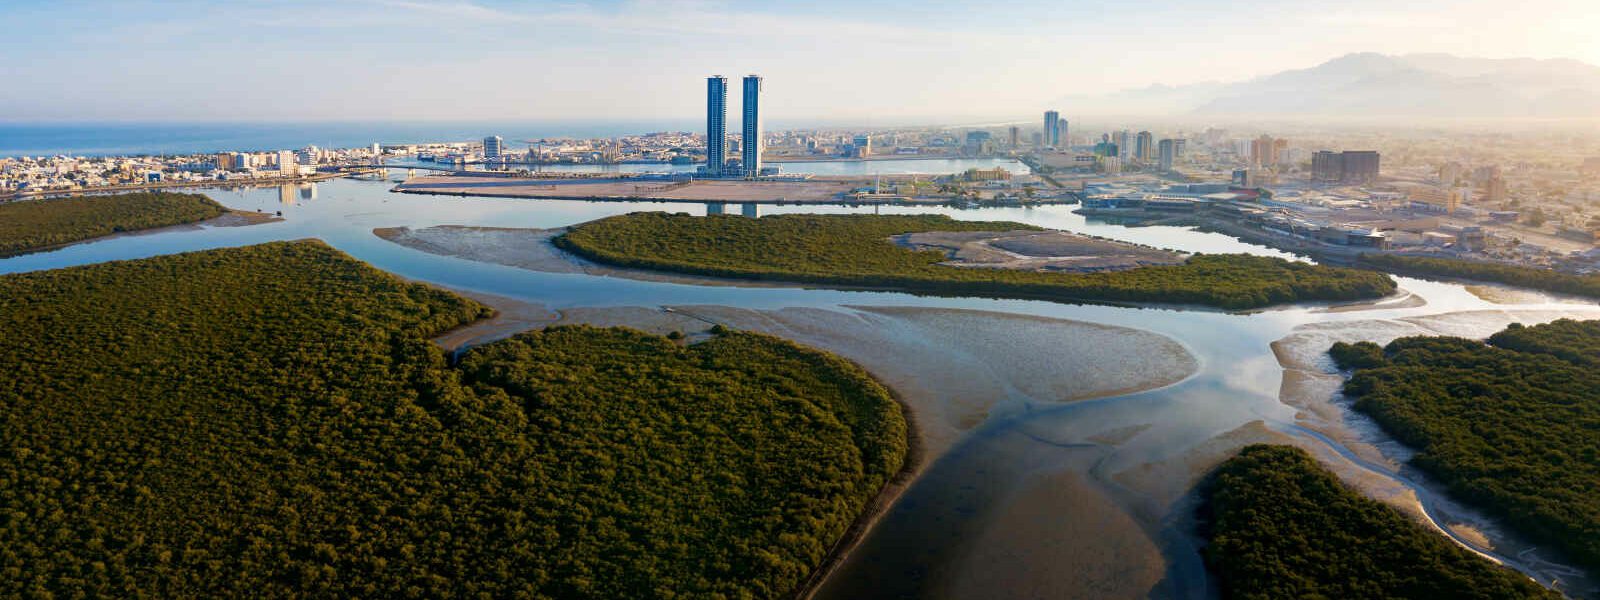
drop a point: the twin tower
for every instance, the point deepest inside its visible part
(717, 128)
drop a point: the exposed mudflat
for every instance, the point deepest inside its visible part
(955, 366)
(241, 218)
(952, 368)
(524, 248)
(530, 249)
(1375, 464)
(1400, 299)
(1037, 250)
(1102, 548)
(1500, 294)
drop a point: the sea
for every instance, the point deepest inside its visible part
(154, 138)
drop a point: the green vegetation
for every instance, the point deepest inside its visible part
(32, 225)
(1528, 277)
(271, 421)
(1281, 526)
(1512, 426)
(854, 250)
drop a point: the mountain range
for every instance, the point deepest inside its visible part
(1370, 84)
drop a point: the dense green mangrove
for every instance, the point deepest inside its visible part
(1278, 525)
(30, 225)
(855, 251)
(272, 421)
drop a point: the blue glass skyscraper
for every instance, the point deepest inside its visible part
(716, 124)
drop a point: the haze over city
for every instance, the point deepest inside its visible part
(882, 62)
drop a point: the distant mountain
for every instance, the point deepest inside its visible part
(1368, 84)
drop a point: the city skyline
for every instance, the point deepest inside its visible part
(97, 61)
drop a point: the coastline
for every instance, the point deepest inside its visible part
(512, 316)
(1367, 458)
(174, 184)
(950, 370)
(231, 218)
(538, 253)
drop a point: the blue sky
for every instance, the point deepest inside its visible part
(824, 59)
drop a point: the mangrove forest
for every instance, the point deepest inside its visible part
(272, 421)
(1511, 426)
(1278, 525)
(31, 225)
(855, 251)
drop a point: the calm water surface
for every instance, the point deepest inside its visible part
(926, 533)
(908, 166)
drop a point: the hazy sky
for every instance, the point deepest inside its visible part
(823, 59)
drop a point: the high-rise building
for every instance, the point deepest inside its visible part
(1110, 165)
(1168, 149)
(1495, 190)
(1360, 166)
(716, 124)
(862, 145)
(1124, 141)
(751, 142)
(493, 146)
(1449, 173)
(1052, 131)
(1350, 166)
(1264, 151)
(1327, 166)
(225, 162)
(1063, 134)
(1144, 147)
(286, 164)
(979, 142)
(1014, 136)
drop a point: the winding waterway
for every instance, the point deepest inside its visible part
(1035, 495)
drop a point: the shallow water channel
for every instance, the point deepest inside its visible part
(1027, 489)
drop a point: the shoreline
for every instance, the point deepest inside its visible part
(543, 255)
(231, 218)
(453, 342)
(934, 427)
(650, 199)
(1370, 460)
(176, 184)
(911, 469)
